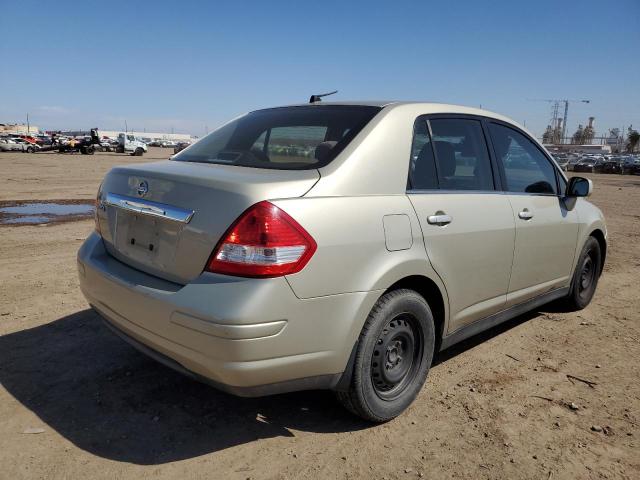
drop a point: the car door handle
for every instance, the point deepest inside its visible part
(525, 214)
(440, 219)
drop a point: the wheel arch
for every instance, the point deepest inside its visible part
(430, 291)
(602, 241)
(434, 296)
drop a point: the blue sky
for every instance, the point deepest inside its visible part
(190, 65)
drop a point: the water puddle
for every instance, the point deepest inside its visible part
(37, 212)
(30, 219)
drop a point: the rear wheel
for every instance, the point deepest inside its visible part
(30, 149)
(586, 275)
(393, 357)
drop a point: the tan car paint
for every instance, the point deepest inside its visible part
(473, 254)
(215, 325)
(551, 233)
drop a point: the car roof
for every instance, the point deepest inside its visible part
(426, 106)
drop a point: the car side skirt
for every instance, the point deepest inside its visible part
(501, 317)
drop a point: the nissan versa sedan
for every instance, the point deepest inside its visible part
(338, 246)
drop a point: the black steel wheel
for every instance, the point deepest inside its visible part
(396, 356)
(393, 356)
(586, 275)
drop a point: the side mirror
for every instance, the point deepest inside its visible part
(579, 187)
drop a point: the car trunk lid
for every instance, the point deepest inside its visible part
(165, 218)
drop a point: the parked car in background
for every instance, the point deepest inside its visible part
(43, 140)
(631, 166)
(8, 145)
(28, 138)
(167, 144)
(180, 146)
(25, 146)
(585, 165)
(562, 161)
(608, 166)
(270, 256)
(571, 161)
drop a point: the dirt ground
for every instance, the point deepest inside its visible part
(77, 402)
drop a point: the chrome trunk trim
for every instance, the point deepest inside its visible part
(146, 207)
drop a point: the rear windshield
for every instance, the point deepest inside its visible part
(287, 138)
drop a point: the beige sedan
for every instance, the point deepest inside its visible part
(338, 246)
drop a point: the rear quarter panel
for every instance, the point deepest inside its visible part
(353, 252)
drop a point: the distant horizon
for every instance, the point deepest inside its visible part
(194, 71)
(599, 133)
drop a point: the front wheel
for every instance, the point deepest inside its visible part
(394, 353)
(586, 275)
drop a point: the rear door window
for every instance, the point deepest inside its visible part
(526, 168)
(462, 158)
(422, 166)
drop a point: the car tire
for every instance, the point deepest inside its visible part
(586, 275)
(393, 356)
(30, 150)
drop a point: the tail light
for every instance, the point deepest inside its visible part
(263, 242)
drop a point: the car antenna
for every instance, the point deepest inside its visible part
(318, 98)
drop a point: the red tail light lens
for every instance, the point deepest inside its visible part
(264, 242)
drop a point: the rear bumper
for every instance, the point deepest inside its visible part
(249, 337)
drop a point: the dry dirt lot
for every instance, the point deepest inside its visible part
(497, 406)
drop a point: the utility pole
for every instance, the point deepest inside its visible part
(564, 121)
(28, 127)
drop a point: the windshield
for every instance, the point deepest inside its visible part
(286, 138)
